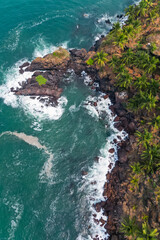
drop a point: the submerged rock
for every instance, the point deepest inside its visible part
(120, 16)
(84, 173)
(26, 64)
(111, 150)
(108, 21)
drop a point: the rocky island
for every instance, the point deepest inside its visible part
(126, 65)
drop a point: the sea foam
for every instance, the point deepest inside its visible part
(30, 106)
(34, 141)
(101, 22)
(97, 173)
(43, 48)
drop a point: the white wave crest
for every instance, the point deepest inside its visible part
(87, 78)
(30, 106)
(40, 111)
(101, 23)
(97, 173)
(43, 48)
(13, 79)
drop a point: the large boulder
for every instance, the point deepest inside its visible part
(122, 156)
(37, 91)
(81, 53)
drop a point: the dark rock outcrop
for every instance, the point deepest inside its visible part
(36, 91)
(108, 21)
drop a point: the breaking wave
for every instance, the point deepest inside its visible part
(95, 179)
(31, 106)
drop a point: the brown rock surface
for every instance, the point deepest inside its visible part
(37, 91)
(155, 38)
(56, 60)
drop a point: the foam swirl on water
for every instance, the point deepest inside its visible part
(34, 141)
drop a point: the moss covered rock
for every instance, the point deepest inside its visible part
(57, 60)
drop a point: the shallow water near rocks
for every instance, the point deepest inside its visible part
(45, 197)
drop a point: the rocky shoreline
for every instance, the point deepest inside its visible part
(54, 72)
(121, 199)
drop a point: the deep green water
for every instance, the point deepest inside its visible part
(35, 204)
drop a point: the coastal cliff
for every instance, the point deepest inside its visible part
(128, 73)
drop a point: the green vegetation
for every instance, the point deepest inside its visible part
(61, 53)
(100, 59)
(147, 233)
(136, 168)
(90, 61)
(151, 159)
(152, 47)
(155, 122)
(41, 80)
(137, 71)
(128, 227)
(144, 138)
(145, 11)
(131, 229)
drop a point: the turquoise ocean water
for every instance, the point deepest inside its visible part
(44, 197)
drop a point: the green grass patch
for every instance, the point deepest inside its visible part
(61, 53)
(90, 61)
(41, 80)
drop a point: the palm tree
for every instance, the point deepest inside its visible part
(114, 62)
(136, 168)
(116, 31)
(141, 82)
(135, 182)
(130, 10)
(152, 65)
(128, 57)
(124, 80)
(155, 122)
(137, 26)
(128, 227)
(150, 3)
(148, 101)
(151, 157)
(121, 40)
(153, 47)
(116, 28)
(142, 101)
(131, 19)
(153, 86)
(153, 15)
(90, 62)
(142, 59)
(142, 8)
(121, 69)
(144, 138)
(129, 30)
(134, 103)
(100, 58)
(146, 233)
